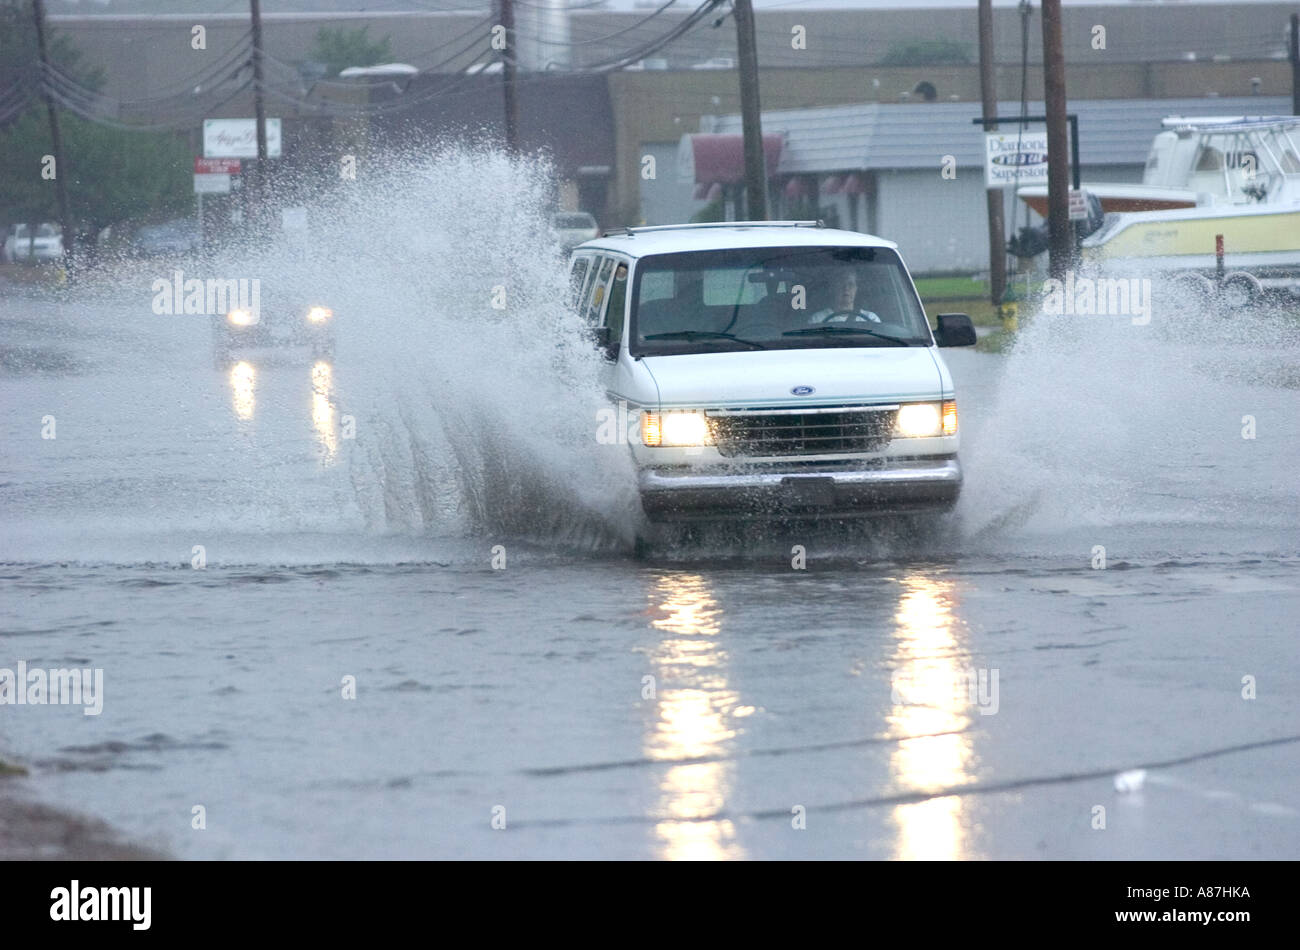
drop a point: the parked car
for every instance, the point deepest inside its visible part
(170, 238)
(775, 370)
(47, 246)
(573, 227)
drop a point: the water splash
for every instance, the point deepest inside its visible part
(1103, 423)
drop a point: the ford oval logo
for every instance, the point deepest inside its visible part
(803, 390)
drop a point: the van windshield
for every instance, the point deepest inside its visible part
(774, 298)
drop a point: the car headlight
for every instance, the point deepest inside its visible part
(678, 428)
(319, 314)
(927, 419)
(241, 317)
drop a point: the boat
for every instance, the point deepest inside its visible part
(1243, 226)
(1261, 239)
(1195, 162)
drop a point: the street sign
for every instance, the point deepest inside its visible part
(1078, 205)
(212, 184)
(237, 138)
(216, 166)
(1015, 158)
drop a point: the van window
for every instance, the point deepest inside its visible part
(617, 304)
(774, 298)
(726, 287)
(657, 285)
(577, 277)
(599, 287)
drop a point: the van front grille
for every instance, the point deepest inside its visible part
(761, 434)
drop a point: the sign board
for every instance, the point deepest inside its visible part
(1015, 158)
(1078, 205)
(216, 166)
(212, 184)
(237, 138)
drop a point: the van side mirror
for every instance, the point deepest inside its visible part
(955, 329)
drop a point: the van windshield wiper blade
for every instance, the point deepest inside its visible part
(703, 335)
(811, 331)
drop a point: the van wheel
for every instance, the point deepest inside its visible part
(1240, 291)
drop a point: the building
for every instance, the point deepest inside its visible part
(879, 168)
(810, 60)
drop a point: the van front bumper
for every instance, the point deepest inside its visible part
(902, 486)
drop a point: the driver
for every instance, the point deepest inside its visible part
(843, 296)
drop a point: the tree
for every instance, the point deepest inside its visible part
(120, 175)
(927, 53)
(340, 48)
(112, 174)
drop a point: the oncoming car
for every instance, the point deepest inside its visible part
(245, 330)
(772, 369)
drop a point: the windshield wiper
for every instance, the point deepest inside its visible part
(703, 335)
(810, 331)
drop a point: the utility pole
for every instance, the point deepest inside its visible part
(1295, 64)
(259, 110)
(989, 98)
(1060, 229)
(56, 139)
(509, 69)
(750, 113)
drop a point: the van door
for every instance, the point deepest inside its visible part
(607, 304)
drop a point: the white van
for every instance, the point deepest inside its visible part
(776, 369)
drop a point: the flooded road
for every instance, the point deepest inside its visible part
(335, 620)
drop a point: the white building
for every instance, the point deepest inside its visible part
(879, 168)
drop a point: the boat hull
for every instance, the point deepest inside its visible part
(1255, 237)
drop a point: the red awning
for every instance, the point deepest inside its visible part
(796, 188)
(853, 185)
(833, 185)
(721, 158)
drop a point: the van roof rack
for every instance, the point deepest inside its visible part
(631, 232)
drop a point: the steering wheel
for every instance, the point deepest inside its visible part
(855, 314)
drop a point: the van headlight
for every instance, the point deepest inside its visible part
(319, 314)
(921, 420)
(241, 317)
(679, 428)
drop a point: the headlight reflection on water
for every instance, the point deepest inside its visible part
(243, 377)
(927, 651)
(694, 706)
(322, 409)
(242, 380)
